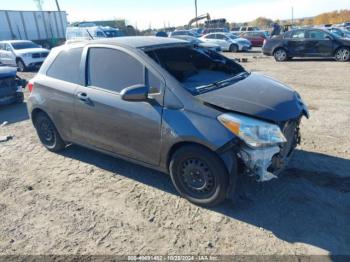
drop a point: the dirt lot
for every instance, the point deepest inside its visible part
(83, 202)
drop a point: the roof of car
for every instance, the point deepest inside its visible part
(137, 41)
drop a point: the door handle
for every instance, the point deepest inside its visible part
(83, 97)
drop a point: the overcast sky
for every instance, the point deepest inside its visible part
(143, 13)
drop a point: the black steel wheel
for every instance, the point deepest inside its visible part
(47, 133)
(199, 175)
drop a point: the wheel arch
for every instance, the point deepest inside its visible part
(340, 46)
(279, 47)
(35, 113)
(227, 157)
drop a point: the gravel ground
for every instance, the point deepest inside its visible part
(83, 202)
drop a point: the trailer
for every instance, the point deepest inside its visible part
(47, 28)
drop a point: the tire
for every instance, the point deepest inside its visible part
(47, 133)
(342, 54)
(199, 175)
(280, 55)
(233, 48)
(21, 67)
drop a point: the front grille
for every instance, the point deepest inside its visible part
(38, 55)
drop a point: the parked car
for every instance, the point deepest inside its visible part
(339, 32)
(182, 32)
(199, 43)
(309, 42)
(11, 86)
(22, 54)
(95, 32)
(163, 104)
(244, 29)
(228, 42)
(215, 30)
(257, 38)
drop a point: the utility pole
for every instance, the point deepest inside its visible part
(292, 15)
(58, 6)
(195, 5)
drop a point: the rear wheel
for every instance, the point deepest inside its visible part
(280, 55)
(199, 175)
(234, 48)
(20, 65)
(342, 54)
(47, 133)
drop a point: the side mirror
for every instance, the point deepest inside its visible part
(136, 93)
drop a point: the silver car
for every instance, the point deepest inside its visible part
(22, 53)
(228, 41)
(164, 104)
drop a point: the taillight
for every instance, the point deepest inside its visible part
(30, 86)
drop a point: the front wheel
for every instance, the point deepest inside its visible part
(280, 55)
(20, 65)
(342, 54)
(234, 48)
(47, 133)
(199, 175)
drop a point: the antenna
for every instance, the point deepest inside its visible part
(196, 10)
(92, 38)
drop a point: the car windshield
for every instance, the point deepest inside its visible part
(24, 45)
(198, 70)
(232, 36)
(111, 33)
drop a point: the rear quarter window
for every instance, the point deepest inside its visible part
(66, 66)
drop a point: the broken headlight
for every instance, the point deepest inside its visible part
(255, 133)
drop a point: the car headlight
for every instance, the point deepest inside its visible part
(255, 133)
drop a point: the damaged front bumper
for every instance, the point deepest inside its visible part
(258, 161)
(267, 163)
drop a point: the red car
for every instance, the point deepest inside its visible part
(257, 38)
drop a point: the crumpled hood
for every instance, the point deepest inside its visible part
(258, 96)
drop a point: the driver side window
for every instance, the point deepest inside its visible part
(113, 70)
(316, 34)
(298, 34)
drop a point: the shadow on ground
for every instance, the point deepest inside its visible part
(13, 113)
(309, 204)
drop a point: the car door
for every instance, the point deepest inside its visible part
(319, 43)
(222, 41)
(296, 43)
(104, 120)
(7, 55)
(210, 38)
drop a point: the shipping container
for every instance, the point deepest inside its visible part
(47, 28)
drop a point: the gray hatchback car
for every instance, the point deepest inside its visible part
(164, 104)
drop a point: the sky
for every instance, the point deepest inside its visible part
(157, 13)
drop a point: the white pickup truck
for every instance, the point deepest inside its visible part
(22, 53)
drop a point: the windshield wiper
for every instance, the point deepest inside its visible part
(221, 83)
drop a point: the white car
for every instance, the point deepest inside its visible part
(22, 53)
(228, 41)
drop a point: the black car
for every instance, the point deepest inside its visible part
(310, 42)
